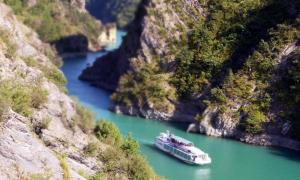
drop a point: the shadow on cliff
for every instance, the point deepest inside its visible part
(257, 29)
(107, 70)
(77, 43)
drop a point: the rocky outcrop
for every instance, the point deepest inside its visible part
(26, 148)
(144, 40)
(214, 123)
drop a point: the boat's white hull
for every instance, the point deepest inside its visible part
(197, 161)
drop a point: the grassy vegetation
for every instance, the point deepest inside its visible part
(65, 167)
(21, 98)
(3, 108)
(91, 149)
(38, 97)
(55, 76)
(84, 118)
(11, 48)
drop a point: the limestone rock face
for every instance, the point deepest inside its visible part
(25, 150)
(159, 25)
(80, 4)
(109, 35)
(150, 34)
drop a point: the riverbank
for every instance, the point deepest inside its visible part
(208, 130)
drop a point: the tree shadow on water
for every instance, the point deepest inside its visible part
(286, 153)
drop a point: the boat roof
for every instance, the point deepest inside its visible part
(180, 139)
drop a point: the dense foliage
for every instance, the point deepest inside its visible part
(148, 88)
(224, 39)
(228, 58)
(288, 92)
(108, 131)
(125, 157)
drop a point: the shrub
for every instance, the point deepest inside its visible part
(38, 97)
(55, 76)
(218, 95)
(253, 123)
(3, 108)
(30, 61)
(11, 47)
(198, 118)
(65, 167)
(98, 176)
(138, 168)
(91, 149)
(20, 100)
(108, 131)
(84, 118)
(130, 146)
(45, 122)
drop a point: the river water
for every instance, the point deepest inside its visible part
(232, 160)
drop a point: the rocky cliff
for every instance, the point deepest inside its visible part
(44, 133)
(151, 36)
(218, 64)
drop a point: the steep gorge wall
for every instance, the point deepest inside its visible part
(44, 133)
(143, 70)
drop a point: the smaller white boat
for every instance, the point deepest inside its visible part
(181, 148)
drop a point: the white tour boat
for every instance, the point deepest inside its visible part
(181, 148)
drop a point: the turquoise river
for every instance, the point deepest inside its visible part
(232, 160)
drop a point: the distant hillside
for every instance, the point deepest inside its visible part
(66, 24)
(120, 11)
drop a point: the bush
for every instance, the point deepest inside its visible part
(65, 167)
(45, 122)
(138, 168)
(30, 61)
(11, 47)
(198, 118)
(108, 131)
(55, 76)
(130, 146)
(19, 98)
(91, 149)
(84, 118)
(218, 95)
(38, 97)
(98, 176)
(3, 108)
(254, 121)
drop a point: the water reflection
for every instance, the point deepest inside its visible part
(202, 173)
